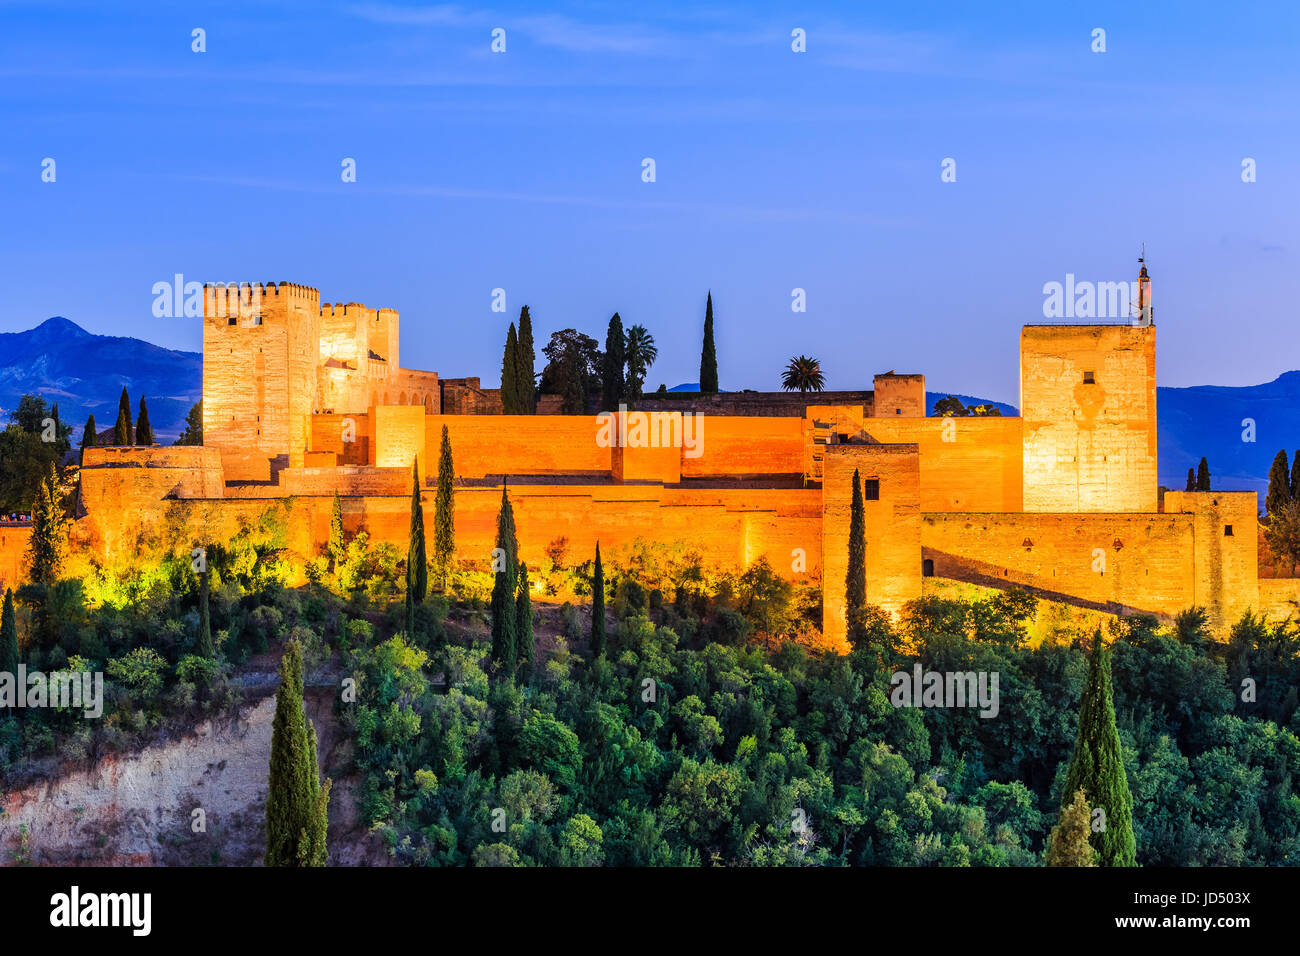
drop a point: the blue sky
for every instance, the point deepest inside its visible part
(775, 170)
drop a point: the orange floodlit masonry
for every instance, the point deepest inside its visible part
(301, 400)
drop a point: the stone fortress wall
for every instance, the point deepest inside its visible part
(302, 400)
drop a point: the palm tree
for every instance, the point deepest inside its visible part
(641, 354)
(803, 373)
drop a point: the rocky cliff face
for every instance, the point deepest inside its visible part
(138, 809)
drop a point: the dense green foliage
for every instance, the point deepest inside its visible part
(29, 448)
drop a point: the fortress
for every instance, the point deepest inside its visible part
(302, 399)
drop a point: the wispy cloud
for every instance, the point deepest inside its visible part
(553, 30)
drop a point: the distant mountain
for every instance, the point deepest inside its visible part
(84, 373)
(1208, 420)
(932, 398)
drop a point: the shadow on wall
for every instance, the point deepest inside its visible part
(953, 567)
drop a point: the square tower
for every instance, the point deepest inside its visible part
(1088, 405)
(261, 348)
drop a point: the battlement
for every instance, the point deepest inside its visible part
(233, 299)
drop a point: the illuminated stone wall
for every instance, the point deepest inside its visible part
(1088, 400)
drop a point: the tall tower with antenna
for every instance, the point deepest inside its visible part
(1146, 313)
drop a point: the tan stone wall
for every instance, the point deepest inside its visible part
(1279, 598)
(1143, 563)
(967, 464)
(1089, 447)
(1225, 570)
(519, 444)
(747, 446)
(899, 396)
(329, 433)
(893, 529)
(122, 491)
(400, 436)
(13, 556)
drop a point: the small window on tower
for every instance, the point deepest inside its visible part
(1089, 379)
(898, 411)
(1227, 531)
(232, 321)
(871, 489)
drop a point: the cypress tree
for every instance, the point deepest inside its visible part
(122, 431)
(1295, 476)
(89, 439)
(337, 549)
(524, 621)
(708, 356)
(504, 645)
(510, 374)
(1203, 475)
(124, 410)
(1097, 767)
(45, 547)
(205, 647)
(296, 801)
(417, 561)
(613, 381)
(143, 430)
(1279, 484)
(598, 607)
(527, 360)
(1068, 844)
(855, 578)
(9, 636)
(1191, 479)
(444, 515)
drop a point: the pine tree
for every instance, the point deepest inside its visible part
(1279, 484)
(143, 430)
(1068, 844)
(1203, 475)
(444, 515)
(1191, 479)
(709, 356)
(510, 374)
(1295, 476)
(1097, 767)
(417, 561)
(598, 607)
(9, 658)
(193, 433)
(336, 547)
(122, 431)
(613, 380)
(124, 411)
(296, 801)
(89, 438)
(204, 644)
(527, 360)
(524, 621)
(46, 545)
(855, 579)
(504, 644)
